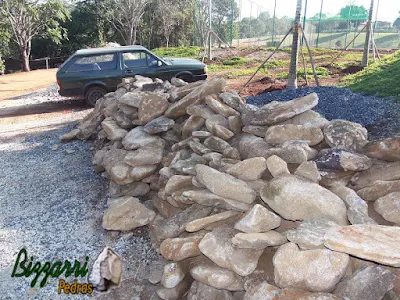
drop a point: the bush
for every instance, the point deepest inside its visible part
(236, 61)
(188, 52)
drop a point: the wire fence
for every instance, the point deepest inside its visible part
(327, 23)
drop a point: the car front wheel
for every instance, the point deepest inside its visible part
(93, 94)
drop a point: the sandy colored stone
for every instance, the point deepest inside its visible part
(371, 242)
(141, 172)
(317, 270)
(235, 124)
(193, 123)
(132, 98)
(133, 189)
(389, 207)
(137, 138)
(217, 245)
(219, 107)
(164, 208)
(187, 166)
(178, 182)
(209, 87)
(121, 173)
(232, 99)
(258, 240)
(175, 225)
(222, 132)
(278, 134)
(277, 166)
(113, 131)
(177, 292)
(275, 111)
(340, 159)
(160, 124)
(151, 106)
(309, 170)
(309, 118)
(207, 198)
(368, 283)
(106, 270)
(151, 154)
(199, 224)
(200, 291)
(216, 120)
(295, 152)
(201, 134)
(381, 171)
(173, 274)
(248, 169)
(310, 234)
(224, 185)
(178, 249)
(256, 130)
(258, 219)
(345, 134)
(200, 110)
(379, 189)
(69, 136)
(126, 213)
(385, 149)
(207, 272)
(217, 144)
(296, 198)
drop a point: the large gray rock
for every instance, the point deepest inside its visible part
(275, 112)
(151, 154)
(368, 283)
(224, 185)
(113, 131)
(219, 107)
(160, 124)
(199, 224)
(296, 198)
(316, 270)
(126, 213)
(340, 159)
(258, 240)
(371, 242)
(345, 134)
(386, 149)
(151, 106)
(248, 169)
(232, 99)
(379, 189)
(137, 138)
(279, 134)
(258, 219)
(178, 249)
(389, 207)
(217, 245)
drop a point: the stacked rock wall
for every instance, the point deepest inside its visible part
(249, 203)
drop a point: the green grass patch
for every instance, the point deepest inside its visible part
(245, 72)
(321, 73)
(214, 68)
(380, 78)
(237, 61)
(279, 63)
(188, 52)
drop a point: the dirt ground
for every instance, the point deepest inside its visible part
(17, 84)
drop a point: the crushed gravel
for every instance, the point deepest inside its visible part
(52, 203)
(380, 116)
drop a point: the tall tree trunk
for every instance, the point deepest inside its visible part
(134, 33)
(368, 37)
(292, 80)
(167, 38)
(25, 60)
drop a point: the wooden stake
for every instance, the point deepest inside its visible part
(304, 65)
(311, 57)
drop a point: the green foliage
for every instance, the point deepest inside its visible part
(245, 72)
(354, 12)
(188, 52)
(237, 61)
(381, 78)
(321, 73)
(279, 63)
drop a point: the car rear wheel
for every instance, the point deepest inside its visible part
(93, 94)
(185, 77)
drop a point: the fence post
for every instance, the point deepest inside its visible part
(47, 63)
(273, 24)
(232, 16)
(319, 21)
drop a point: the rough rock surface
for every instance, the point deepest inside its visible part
(316, 270)
(389, 207)
(258, 219)
(346, 135)
(279, 134)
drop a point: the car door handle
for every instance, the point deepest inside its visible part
(128, 71)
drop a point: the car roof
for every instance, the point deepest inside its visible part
(108, 50)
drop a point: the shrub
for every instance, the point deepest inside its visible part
(236, 61)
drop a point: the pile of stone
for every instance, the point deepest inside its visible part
(248, 203)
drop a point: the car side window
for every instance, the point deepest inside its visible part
(136, 59)
(94, 63)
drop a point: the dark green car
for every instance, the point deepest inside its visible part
(93, 72)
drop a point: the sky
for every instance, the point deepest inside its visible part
(388, 9)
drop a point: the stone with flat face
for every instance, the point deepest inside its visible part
(160, 124)
(224, 185)
(258, 219)
(296, 198)
(113, 131)
(346, 135)
(219, 107)
(258, 240)
(340, 159)
(389, 207)
(278, 134)
(200, 291)
(386, 149)
(316, 270)
(217, 245)
(151, 154)
(199, 224)
(379, 189)
(371, 242)
(248, 169)
(137, 138)
(151, 107)
(277, 166)
(177, 249)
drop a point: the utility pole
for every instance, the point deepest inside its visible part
(368, 37)
(292, 80)
(319, 21)
(209, 30)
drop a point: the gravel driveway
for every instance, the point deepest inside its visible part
(51, 203)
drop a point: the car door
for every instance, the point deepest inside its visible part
(142, 63)
(98, 68)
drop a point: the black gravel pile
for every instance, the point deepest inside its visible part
(380, 116)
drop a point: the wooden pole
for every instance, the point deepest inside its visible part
(276, 49)
(304, 65)
(311, 57)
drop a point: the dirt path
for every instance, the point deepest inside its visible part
(12, 85)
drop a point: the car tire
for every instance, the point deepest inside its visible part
(185, 77)
(93, 94)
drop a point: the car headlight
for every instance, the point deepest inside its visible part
(205, 69)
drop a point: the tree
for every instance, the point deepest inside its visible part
(125, 16)
(354, 12)
(169, 16)
(396, 23)
(31, 18)
(292, 78)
